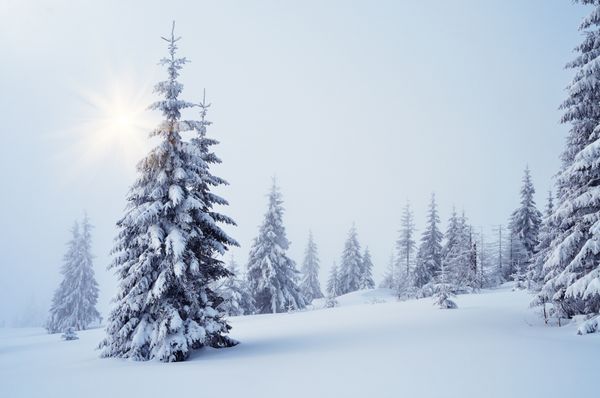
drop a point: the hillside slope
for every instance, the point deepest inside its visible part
(492, 346)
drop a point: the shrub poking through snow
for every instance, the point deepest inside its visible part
(69, 334)
(330, 302)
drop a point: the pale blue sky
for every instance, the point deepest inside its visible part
(355, 106)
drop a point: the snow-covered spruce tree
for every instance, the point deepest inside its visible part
(237, 299)
(572, 267)
(454, 251)
(443, 291)
(333, 287)
(367, 281)
(547, 234)
(501, 270)
(524, 227)
(473, 280)
(74, 302)
(406, 245)
(272, 275)
(351, 269)
(310, 286)
(167, 249)
(388, 281)
(333, 283)
(459, 255)
(405, 252)
(489, 269)
(429, 255)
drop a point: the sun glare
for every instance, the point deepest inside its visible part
(115, 126)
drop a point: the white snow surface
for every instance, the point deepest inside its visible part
(493, 345)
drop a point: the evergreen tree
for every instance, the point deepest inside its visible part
(547, 234)
(167, 250)
(502, 268)
(74, 302)
(389, 278)
(453, 251)
(367, 281)
(525, 225)
(237, 299)
(333, 283)
(429, 256)
(473, 280)
(406, 245)
(310, 286)
(69, 334)
(405, 249)
(443, 291)
(272, 275)
(351, 270)
(459, 255)
(572, 265)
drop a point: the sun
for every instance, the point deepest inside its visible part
(115, 123)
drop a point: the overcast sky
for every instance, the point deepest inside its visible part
(356, 107)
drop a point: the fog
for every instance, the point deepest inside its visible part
(355, 107)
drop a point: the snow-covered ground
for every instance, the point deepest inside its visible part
(492, 346)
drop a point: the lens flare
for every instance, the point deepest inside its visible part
(111, 127)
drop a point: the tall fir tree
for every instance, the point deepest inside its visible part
(351, 269)
(74, 302)
(473, 280)
(405, 250)
(310, 286)
(524, 226)
(443, 291)
(167, 251)
(572, 265)
(389, 278)
(333, 283)
(535, 274)
(429, 255)
(367, 281)
(272, 275)
(453, 250)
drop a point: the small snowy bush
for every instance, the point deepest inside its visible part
(444, 302)
(331, 302)
(590, 326)
(70, 334)
(442, 296)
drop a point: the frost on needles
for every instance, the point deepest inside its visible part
(167, 251)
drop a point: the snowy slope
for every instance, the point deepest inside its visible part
(492, 346)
